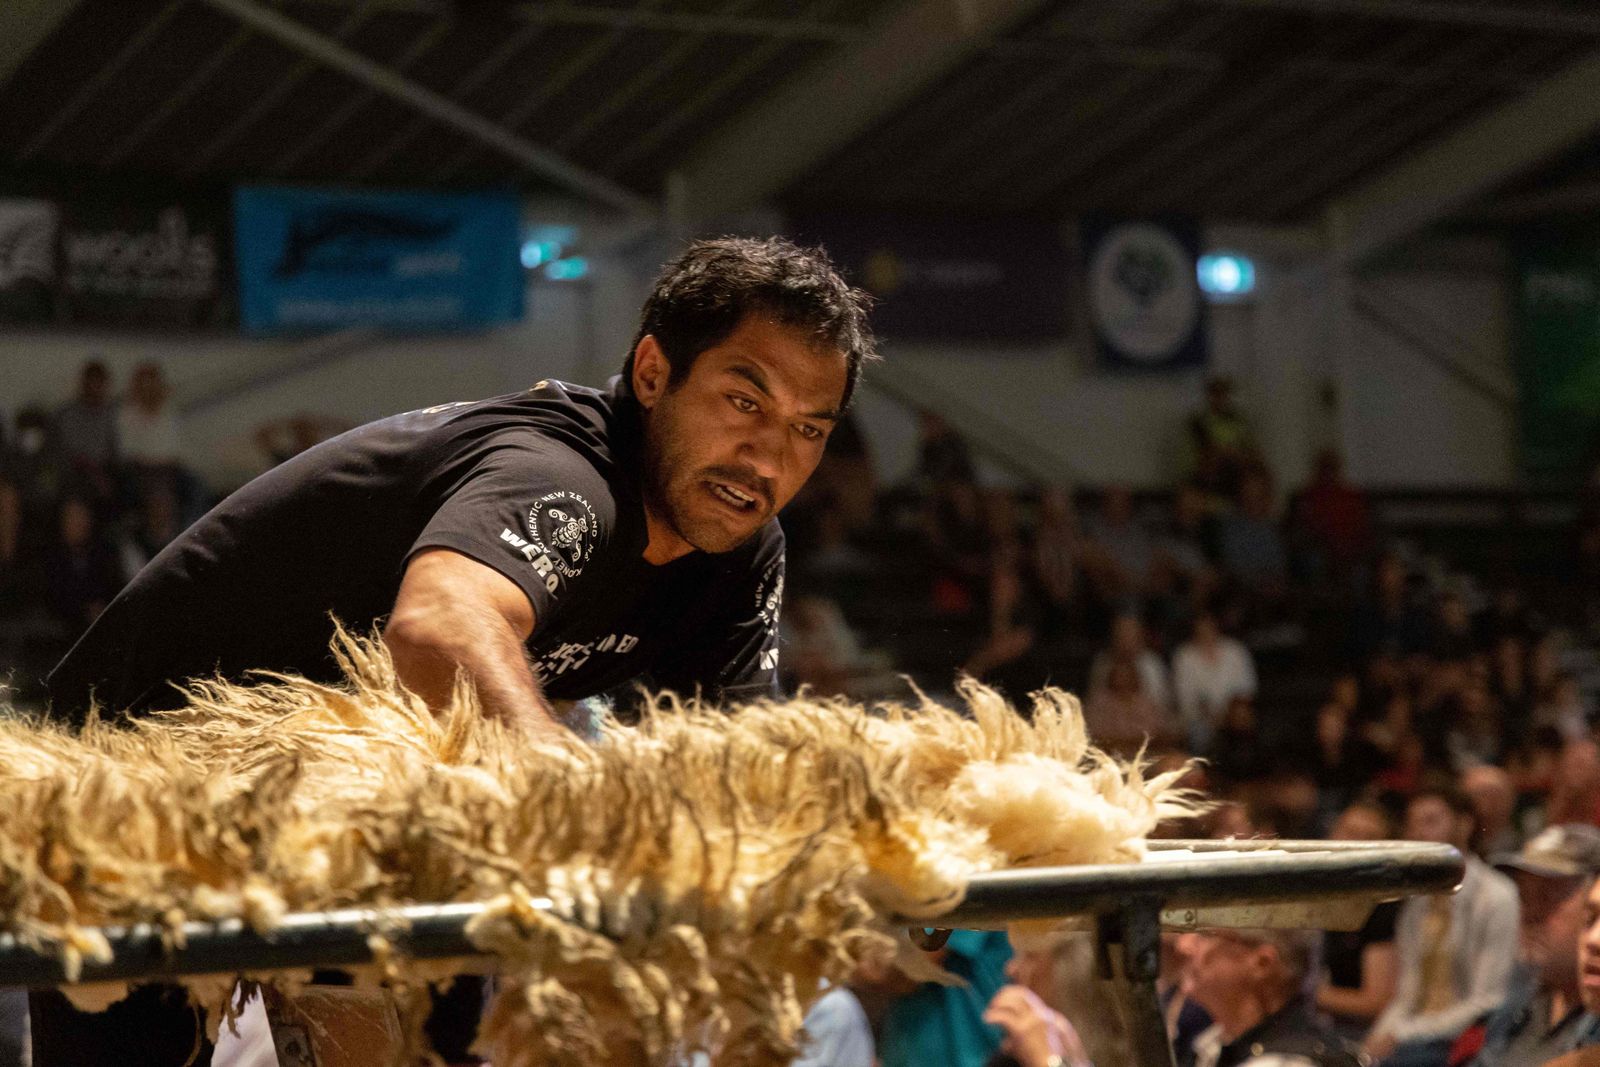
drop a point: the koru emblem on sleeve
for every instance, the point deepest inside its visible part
(563, 528)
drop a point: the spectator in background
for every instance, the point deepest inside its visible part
(147, 433)
(1562, 707)
(1124, 550)
(1254, 983)
(1542, 1017)
(942, 455)
(1237, 753)
(1184, 572)
(1335, 519)
(943, 1024)
(1223, 443)
(1251, 546)
(1121, 715)
(1057, 557)
(1362, 966)
(282, 439)
(1456, 951)
(1130, 643)
(1575, 785)
(1033, 1009)
(80, 569)
(86, 429)
(958, 542)
(1387, 623)
(1342, 760)
(1494, 804)
(154, 525)
(1208, 671)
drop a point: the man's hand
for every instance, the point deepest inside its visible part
(455, 615)
(1034, 1031)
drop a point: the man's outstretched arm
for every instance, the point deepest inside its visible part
(453, 613)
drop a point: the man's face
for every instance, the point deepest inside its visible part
(1224, 968)
(1589, 950)
(732, 443)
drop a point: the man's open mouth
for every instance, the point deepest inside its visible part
(733, 496)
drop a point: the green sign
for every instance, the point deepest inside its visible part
(1556, 344)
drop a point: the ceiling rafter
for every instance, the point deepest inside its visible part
(159, 115)
(1531, 17)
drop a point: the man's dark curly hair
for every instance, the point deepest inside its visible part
(702, 296)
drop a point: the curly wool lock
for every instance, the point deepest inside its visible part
(707, 869)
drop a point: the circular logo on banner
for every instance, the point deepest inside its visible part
(769, 596)
(562, 526)
(1142, 292)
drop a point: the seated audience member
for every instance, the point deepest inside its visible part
(1589, 952)
(1208, 671)
(1123, 550)
(86, 428)
(81, 574)
(1387, 622)
(1185, 1018)
(943, 1024)
(840, 1025)
(1543, 1015)
(1562, 706)
(147, 431)
(1254, 983)
(1185, 547)
(954, 525)
(1121, 715)
(1057, 556)
(1575, 785)
(1250, 544)
(1221, 438)
(1335, 517)
(1238, 754)
(282, 439)
(1342, 761)
(942, 454)
(1052, 980)
(1011, 631)
(1129, 642)
(1361, 964)
(1494, 802)
(822, 653)
(1456, 951)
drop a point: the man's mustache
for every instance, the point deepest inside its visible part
(742, 478)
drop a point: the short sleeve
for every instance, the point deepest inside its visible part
(734, 656)
(531, 509)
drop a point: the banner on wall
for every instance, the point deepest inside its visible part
(311, 260)
(27, 260)
(952, 278)
(1144, 304)
(124, 262)
(1556, 348)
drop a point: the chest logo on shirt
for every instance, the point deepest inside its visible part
(562, 526)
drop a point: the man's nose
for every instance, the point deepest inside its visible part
(763, 449)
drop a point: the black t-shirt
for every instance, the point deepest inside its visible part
(542, 486)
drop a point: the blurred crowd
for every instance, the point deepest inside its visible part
(90, 490)
(1338, 682)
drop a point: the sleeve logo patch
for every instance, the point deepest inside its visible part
(562, 526)
(769, 596)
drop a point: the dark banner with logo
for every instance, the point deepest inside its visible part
(1000, 280)
(116, 261)
(1556, 347)
(146, 263)
(311, 259)
(28, 260)
(1144, 302)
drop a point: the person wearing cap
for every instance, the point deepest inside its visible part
(1543, 1016)
(1257, 986)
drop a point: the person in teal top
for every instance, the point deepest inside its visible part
(940, 1024)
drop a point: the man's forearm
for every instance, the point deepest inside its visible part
(429, 653)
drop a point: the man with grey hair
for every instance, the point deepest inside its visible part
(1543, 1015)
(1257, 984)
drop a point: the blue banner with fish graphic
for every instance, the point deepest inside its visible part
(310, 260)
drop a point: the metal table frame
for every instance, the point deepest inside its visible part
(1282, 884)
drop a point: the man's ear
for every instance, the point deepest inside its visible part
(651, 371)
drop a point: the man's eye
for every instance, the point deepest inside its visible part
(810, 433)
(743, 403)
